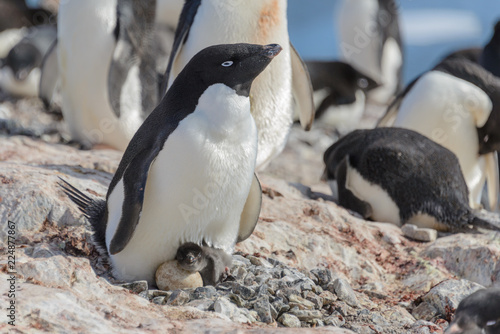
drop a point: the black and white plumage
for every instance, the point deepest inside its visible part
(370, 40)
(479, 313)
(211, 263)
(207, 22)
(20, 69)
(339, 93)
(399, 176)
(456, 104)
(188, 173)
(108, 54)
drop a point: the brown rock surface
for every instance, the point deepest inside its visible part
(63, 284)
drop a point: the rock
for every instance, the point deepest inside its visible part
(419, 234)
(446, 296)
(424, 311)
(425, 327)
(201, 304)
(324, 276)
(315, 299)
(205, 292)
(171, 276)
(344, 291)
(306, 315)
(289, 320)
(476, 259)
(136, 287)
(335, 319)
(178, 298)
(263, 309)
(64, 282)
(301, 303)
(328, 297)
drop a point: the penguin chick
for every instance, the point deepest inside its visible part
(210, 262)
(399, 176)
(479, 313)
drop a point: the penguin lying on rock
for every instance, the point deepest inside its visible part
(399, 176)
(188, 173)
(457, 104)
(478, 313)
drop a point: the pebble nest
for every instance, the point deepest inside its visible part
(266, 290)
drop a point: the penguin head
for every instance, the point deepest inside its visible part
(22, 59)
(234, 65)
(189, 256)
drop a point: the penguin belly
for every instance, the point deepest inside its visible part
(264, 22)
(85, 49)
(384, 209)
(391, 63)
(445, 109)
(196, 187)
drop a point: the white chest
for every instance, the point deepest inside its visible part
(197, 186)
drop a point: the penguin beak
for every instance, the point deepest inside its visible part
(272, 50)
(190, 259)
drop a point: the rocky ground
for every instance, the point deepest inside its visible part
(309, 263)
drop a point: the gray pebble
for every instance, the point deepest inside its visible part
(324, 276)
(203, 292)
(262, 307)
(160, 300)
(136, 287)
(344, 291)
(419, 234)
(289, 320)
(306, 315)
(178, 298)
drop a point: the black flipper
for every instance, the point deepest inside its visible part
(181, 34)
(134, 183)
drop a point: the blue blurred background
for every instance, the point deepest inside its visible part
(430, 29)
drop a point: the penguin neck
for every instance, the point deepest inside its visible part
(221, 106)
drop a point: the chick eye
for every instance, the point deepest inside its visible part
(227, 63)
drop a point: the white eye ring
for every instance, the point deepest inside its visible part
(227, 63)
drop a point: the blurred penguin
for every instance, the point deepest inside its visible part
(339, 93)
(457, 104)
(371, 42)
(208, 22)
(20, 72)
(107, 56)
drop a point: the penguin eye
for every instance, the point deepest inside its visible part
(227, 63)
(363, 83)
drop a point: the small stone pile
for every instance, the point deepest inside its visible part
(266, 291)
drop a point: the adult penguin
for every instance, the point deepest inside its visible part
(371, 42)
(188, 173)
(208, 22)
(456, 104)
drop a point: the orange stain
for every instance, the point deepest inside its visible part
(269, 18)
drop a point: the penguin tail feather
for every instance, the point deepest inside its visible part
(92, 209)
